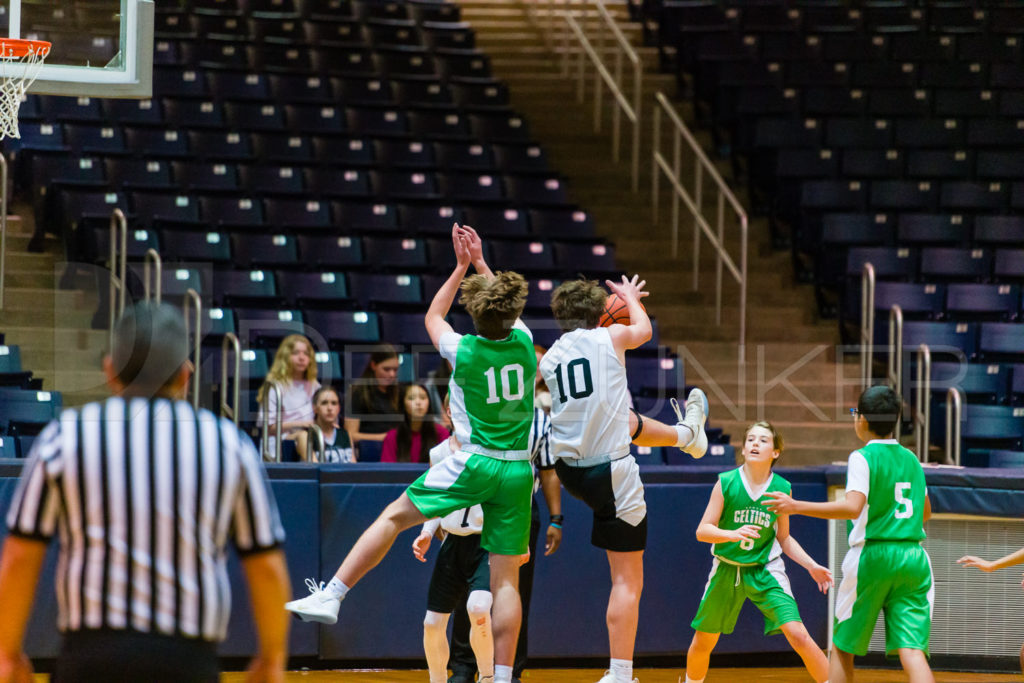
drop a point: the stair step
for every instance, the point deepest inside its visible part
(44, 318)
(50, 340)
(803, 433)
(734, 403)
(44, 299)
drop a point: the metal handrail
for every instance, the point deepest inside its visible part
(895, 372)
(921, 414)
(192, 301)
(546, 29)
(867, 323)
(265, 414)
(315, 448)
(118, 267)
(3, 224)
(954, 413)
(694, 203)
(152, 290)
(229, 409)
(602, 75)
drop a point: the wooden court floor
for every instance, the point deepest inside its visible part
(781, 675)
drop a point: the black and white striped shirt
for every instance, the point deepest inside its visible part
(540, 440)
(144, 495)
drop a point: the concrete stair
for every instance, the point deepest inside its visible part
(52, 326)
(797, 385)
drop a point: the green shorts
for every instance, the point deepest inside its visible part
(890, 576)
(503, 488)
(729, 586)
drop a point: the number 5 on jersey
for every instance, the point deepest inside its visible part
(904, 504)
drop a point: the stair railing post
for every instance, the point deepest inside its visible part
(193, 326)
(867, 324)
(954, 413)
(315, 447)
(922, 410)
(275, 389)
(895, 374)
(152, 291)
(229, 407)
(118, 237)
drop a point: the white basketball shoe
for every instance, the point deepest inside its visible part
(695, 417)
(609, 677)
(318, 606)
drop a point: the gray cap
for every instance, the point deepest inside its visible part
(150, 346)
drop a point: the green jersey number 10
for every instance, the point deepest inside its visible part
(511, 378)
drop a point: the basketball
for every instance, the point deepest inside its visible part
(615, 311)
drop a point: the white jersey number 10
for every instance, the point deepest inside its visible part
(510, 375)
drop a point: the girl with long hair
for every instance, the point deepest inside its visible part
(412, 440)
(294, 373)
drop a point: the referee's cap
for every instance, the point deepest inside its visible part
(150, 346)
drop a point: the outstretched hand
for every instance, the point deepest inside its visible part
(780, 503)
(822, 576)
(977, 562)
(626, 289)
(460, 242)
(421, 545)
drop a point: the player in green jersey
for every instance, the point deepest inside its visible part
(886, 568)
(491, 392)
(748, 542)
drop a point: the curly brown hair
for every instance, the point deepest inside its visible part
(578, 303)
(494, 303)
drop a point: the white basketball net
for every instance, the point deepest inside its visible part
(20, 62)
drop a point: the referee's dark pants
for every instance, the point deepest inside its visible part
(462, 660)
(127, 656)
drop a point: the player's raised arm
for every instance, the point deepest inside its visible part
(638, 331)
(442, 302)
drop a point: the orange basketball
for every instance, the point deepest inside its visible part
(615, 311)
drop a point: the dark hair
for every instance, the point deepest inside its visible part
(404, 431)
(149, 348)
(494, 303)
(323, 390)
(881, 407)
(368, 384)
(578, 303)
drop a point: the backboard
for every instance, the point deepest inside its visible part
(100, 48)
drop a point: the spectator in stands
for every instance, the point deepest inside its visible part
(294, 374)
(326, 409)
(374, 407)
(412, 440)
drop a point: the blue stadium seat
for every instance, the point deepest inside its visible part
(254, 116)
(376, 217)
(329, 368)
(315, 119)
(149, 174)
(498, 221)
(951, 164)
(331, 252)
(594, 260)
(245, 288)
(345, 327)
(313, 288)
(413, 154)
(466, 156)
(1017, 385)
(95, 139)
(193, 114)
(416, 185)
(346, 183)
(300, 89)
(272, 180)
(405, 62)
(924, 300)
(222, 145)
(285, 149)
(151, 208)
(195, 246)
(499, 127)
(203, 176)
(345, 152)
(378, 122)
(523, 256)
(158, 142)
(424, 94)
(28, 411)
(386, 289)
(472, 188)
(890, 263)
(264, 250)
(932, 229)
(429, 219)
(231, 211)
(1009, 265)
(406, 329)
(239, 85)
(520, 159)
(1002, 341)
(655, 375)
(172, 81)
(971, 301)
(257, 325)
(979, 382)
(955, 339)
(1006, 230)
(955, 264)
(402, 253)
(368, 89)
(536, 191)
(973, 196)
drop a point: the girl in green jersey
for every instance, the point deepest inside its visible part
(747, 545)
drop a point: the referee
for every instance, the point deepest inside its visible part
(144, 493)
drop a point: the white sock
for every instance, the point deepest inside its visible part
(701, 680)
(622, 670)
(336, 589)
(684, 435)
(502, 674)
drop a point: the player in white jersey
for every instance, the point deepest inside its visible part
(461, 572)
(590, 436)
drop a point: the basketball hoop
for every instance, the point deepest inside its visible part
(20, 62)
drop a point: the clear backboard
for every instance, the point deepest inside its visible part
(100, 48)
